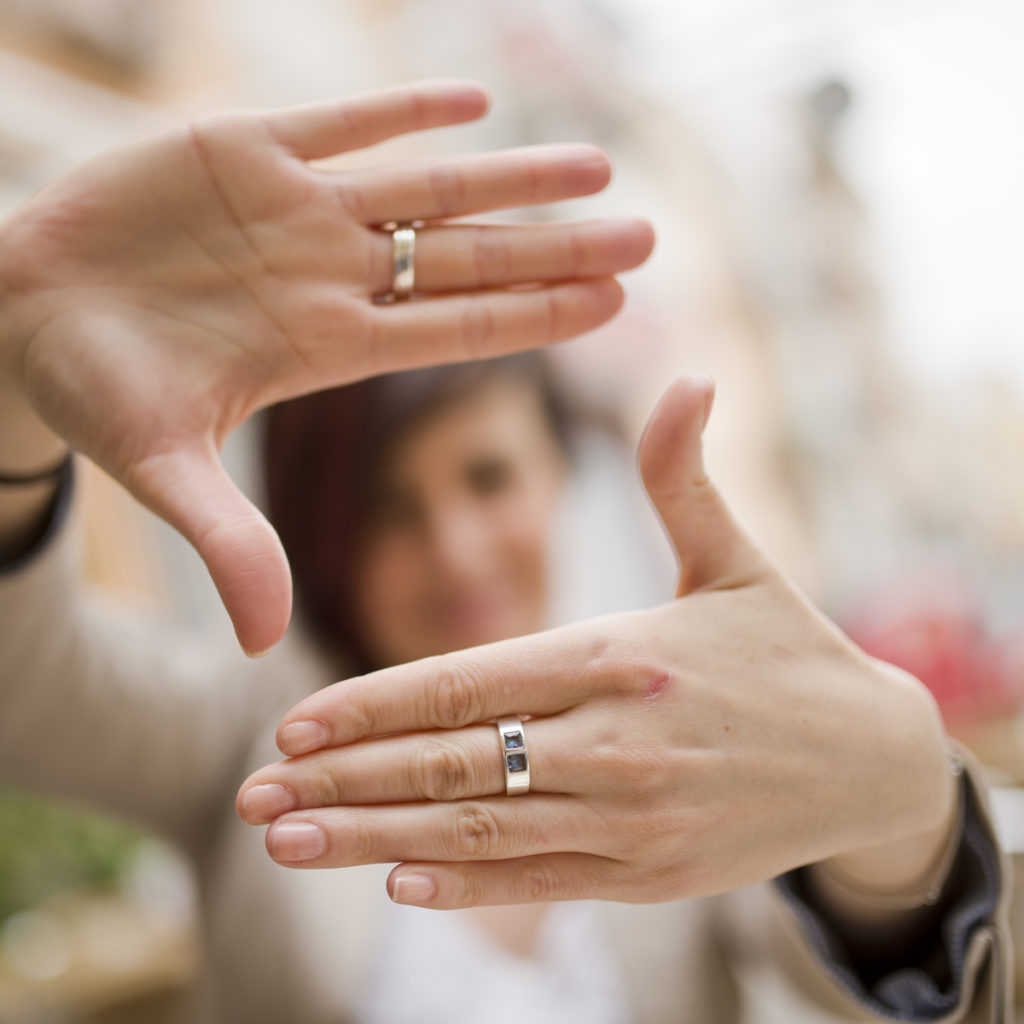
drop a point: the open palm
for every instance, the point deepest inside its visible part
(162, 293)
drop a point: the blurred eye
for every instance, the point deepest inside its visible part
(489, 476)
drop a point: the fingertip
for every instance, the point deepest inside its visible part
(631, 242)
(658, 454)
(254, 581)
(594, 163)
(302, 737)
(466, 100)
(411, 888)
(643, 239)
(585, 168)
(260, 613)
(611, 297)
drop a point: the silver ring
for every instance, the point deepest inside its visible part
(514, 756)
(403, 259)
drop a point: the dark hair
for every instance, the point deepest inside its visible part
(322, 454)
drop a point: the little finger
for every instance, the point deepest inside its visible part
(559, 876)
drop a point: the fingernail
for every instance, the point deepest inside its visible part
(295, 841)
(262, 803)
(257, 654)
(302, 737)
(413, 888)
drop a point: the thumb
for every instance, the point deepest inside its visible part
(189, 488)
(714, 552)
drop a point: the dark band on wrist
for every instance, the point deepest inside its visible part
(52, 474)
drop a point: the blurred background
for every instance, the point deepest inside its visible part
(836, 186)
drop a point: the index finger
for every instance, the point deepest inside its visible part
(541, 674)
(314, 131)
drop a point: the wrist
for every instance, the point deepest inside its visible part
(905, 873)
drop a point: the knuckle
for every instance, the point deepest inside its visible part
(448, 188)
(455, 699)
(611, 661)
(476, 835)
(418, 111)
(350, 720)
(552, 330)
(539, 882)
(353, 126)
(443, 772)
(576, 257)
(476, 328)
(360, 842)
(490, 258)
(326, 787)
(465, 890)
(352, 201)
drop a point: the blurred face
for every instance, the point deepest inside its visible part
(455, 551)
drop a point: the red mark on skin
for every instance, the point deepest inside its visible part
(657, 686)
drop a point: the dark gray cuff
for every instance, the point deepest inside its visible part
(919, 975)
(49, 527)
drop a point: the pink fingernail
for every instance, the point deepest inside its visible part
(302, 737)
(296, 841)
(413, 888)
(263, 803)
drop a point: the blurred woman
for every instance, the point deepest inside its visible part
(719, 740)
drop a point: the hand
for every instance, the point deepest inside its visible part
(707, 744)
(156, 297)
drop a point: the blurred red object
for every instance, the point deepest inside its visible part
(937, 634)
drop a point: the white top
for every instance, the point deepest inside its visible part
(451, 971)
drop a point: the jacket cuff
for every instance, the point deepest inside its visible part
(921, 974)
(50, 527)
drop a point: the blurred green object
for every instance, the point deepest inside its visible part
(49, 847)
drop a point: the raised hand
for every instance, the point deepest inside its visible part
(154, 298)
(710, 743)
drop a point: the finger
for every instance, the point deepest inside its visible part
(439, 765)
(454, 187)
(465, 327)
(317, 130)
(536, 675)
(542, 879)
(457, 257)
(493, 828)
(713, 550)
(190, 489)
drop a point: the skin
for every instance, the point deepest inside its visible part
(710, 743)
(458, 552)
(456, 555)
(154, 298)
